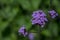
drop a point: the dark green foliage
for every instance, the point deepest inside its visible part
(15, 13)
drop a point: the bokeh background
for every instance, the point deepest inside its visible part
(15, 13)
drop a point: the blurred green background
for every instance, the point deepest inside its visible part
(15, 13)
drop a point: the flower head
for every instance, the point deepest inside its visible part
(39, 17)
(23, 31)
(53, 13)
(31, 36)
(38, 13)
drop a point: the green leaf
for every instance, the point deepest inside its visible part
(46, 33)
(13, 36)
(20, 20)
(53, 27)
(55, 2)
(4, 24)
(35, 3)
(25, 4)
(6, 1)
(28, 22)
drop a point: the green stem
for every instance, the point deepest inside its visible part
(51, 4)
(39, 32)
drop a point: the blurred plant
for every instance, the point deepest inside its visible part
(14, 13)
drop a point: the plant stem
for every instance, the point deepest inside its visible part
(39, 32)
(51, 4)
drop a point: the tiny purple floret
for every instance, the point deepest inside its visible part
(22, 31)
(31, 36)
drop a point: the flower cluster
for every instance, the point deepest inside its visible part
(23, 31)
(53, 14)
(39, 17)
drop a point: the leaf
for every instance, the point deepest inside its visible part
(28, 22)
(46, 33)
(4, 24)
(20, 20)
(53, 27)
(6, 1)
(25, 4)
(35, 3)
(55, 2)
(13, 36)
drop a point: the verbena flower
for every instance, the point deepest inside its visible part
(23, 31)
(53, 14)
(31, 36)
(39, 17)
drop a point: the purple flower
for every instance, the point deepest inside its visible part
(37, 14)
(23, 31)
(31, 36)
(53, 14)
(39, 17)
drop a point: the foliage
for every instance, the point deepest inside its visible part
(15, 13)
